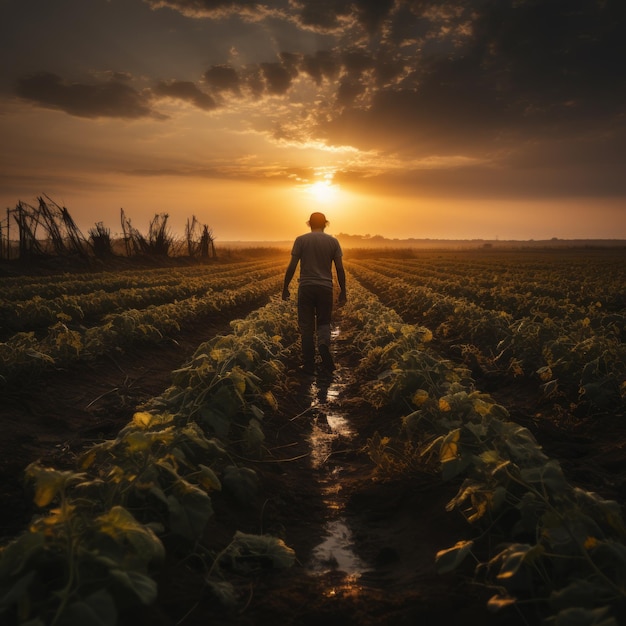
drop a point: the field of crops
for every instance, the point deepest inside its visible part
(164, 462)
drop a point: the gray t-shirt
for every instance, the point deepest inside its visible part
(316, 251)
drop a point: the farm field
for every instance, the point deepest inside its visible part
(163, 462)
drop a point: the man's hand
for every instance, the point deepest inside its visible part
(342, 297)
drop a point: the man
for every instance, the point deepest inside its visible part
(316, 252)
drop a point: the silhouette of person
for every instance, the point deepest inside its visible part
(316, 252)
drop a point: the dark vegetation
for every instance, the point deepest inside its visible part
(398, 525)
(33, 233)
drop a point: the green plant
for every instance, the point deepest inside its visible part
(77, 563)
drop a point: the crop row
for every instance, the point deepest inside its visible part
(106, 528)
(537, 539)
(20, 288)
(578, 360)
(23, 354)
(574, 292)
(40, 312)
(572, 277)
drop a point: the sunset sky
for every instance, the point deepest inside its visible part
(402, 118)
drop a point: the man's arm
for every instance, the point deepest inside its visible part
(341, 279)
(291, 270)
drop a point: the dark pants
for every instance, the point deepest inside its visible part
(315, 307)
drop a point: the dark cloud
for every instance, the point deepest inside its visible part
(438, 120)
(445, 77)
(278, 79)
(324, 64)
(372, 13)
(187, 91)
(105, 99)
(291, 62)
(490, 180)
(388, 68)
(222, 78)
(252, 77)
(551, 53)
(478, 78)
(279, 75)
(349, 91)
(482, 77)
(323, 14)
(121, 77)
(214, 8)
(356, 62)
(318, 15)
(274, 78)
(334, 15)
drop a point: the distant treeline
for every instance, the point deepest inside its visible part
(378, 241)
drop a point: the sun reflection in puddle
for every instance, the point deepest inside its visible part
(335, 553)
(321, 445)
(347, 588)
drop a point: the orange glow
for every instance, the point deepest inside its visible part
(286, 114)
(324, 191)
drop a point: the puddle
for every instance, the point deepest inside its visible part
(335, 552)
(329, 429)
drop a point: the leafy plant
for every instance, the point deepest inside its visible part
(54, 572)
(104, 528)
(540, 537)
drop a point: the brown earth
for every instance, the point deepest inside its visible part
(397, 525)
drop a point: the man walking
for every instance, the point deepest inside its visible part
(316, 252)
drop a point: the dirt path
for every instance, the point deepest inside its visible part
(365, 548)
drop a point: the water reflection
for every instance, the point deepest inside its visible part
(328, 430)
(335, 552)
(320, 389)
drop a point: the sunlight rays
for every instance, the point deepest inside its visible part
(323, 191)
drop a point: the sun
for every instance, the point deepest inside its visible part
(323, 191)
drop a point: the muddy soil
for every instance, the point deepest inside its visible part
(365, 548)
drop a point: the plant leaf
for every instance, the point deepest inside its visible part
(190, 509)
(120, 525)
(449, 559)
(247, 551)
(144, 587)
(498, 602)
(97, 609)
(48, 482)
(241, 482)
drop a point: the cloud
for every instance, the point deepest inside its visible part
(437, 77)
(323, 15)
(323, 65)
(357, 61)
(105, 99)
(274, 78)
(187, 91)
(238, 170)
(481, 79)
(277, 78)
(317, 15)
(222, 78)
(216, 9)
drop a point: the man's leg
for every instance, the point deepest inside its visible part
(324, 313)
(306, 322)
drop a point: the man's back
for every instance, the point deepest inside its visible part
(316, 251)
